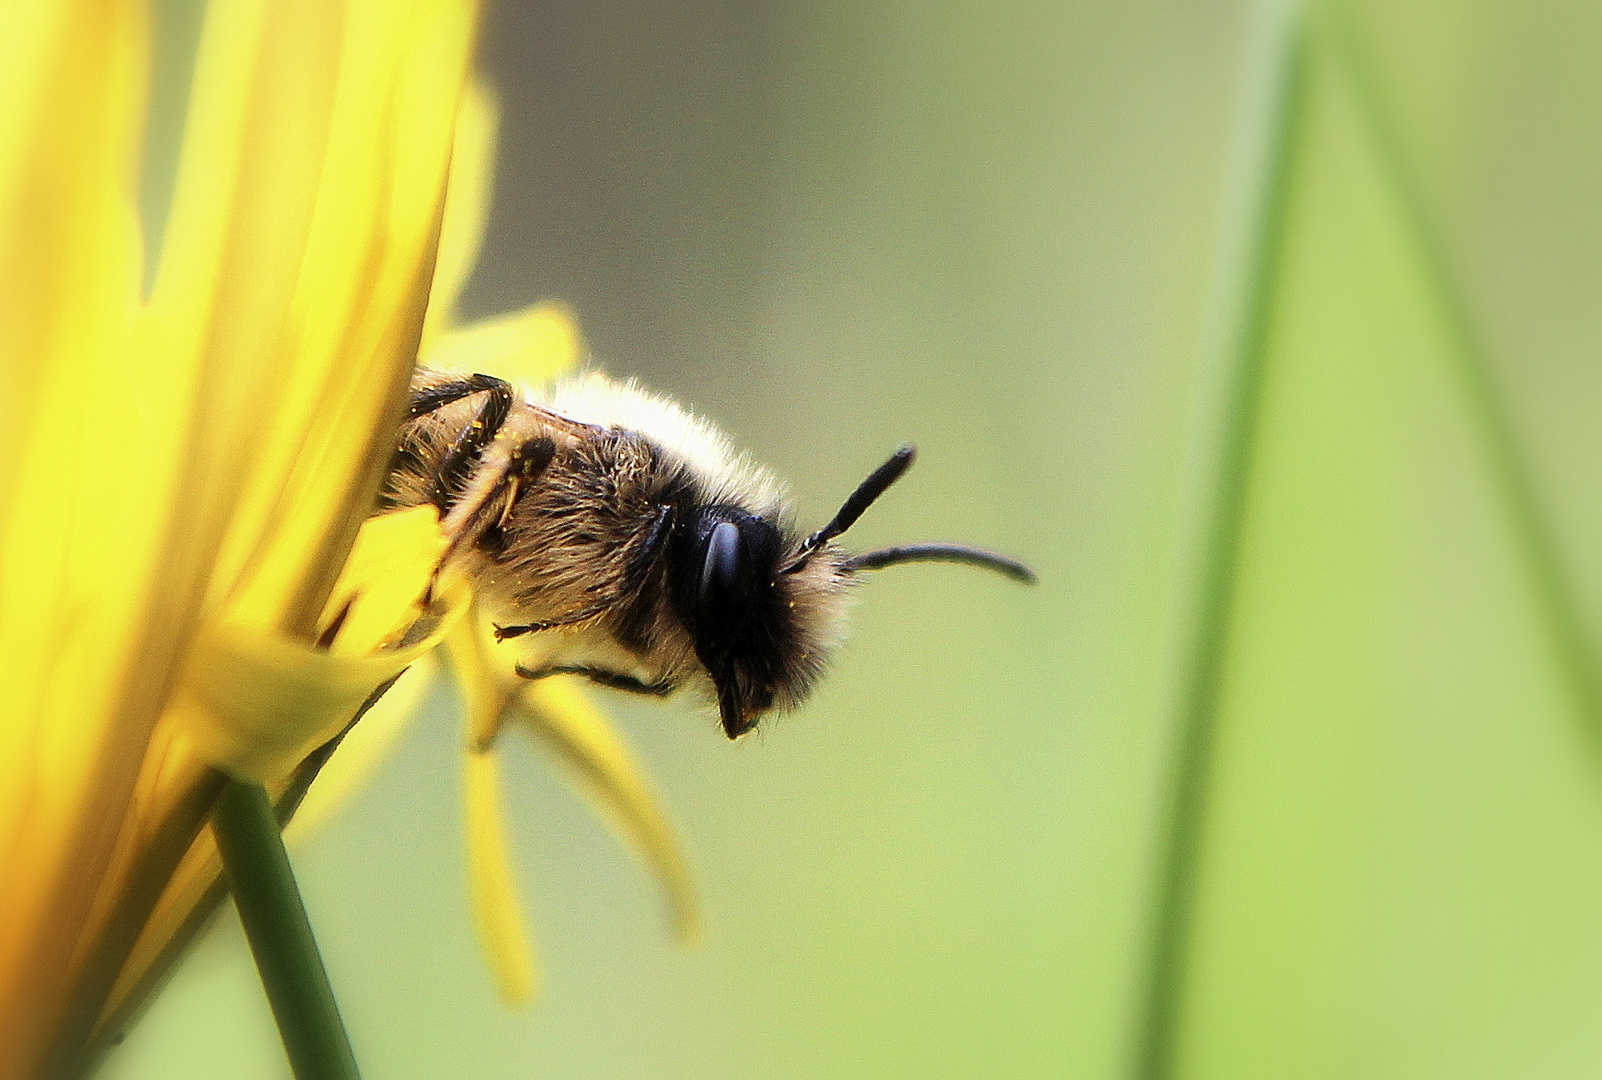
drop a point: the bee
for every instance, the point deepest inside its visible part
(623, 540)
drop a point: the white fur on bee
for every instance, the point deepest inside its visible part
(728, 475)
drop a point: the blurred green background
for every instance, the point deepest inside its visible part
(992, 231)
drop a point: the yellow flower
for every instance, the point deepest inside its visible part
(188, 578)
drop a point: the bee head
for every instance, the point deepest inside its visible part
(761, 606)
(724, 574)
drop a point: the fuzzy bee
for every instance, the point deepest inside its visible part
(626, 542)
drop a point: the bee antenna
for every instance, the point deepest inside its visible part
(958, 553)
(867, 492)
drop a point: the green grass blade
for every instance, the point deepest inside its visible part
(1512, 474)
(1254, 238)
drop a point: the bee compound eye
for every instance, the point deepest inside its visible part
(721, 566)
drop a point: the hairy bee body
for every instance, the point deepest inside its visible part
(619, 538)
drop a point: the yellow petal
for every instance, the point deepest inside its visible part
(71, 85)
(215, 455)
(467, 200)
(527, 346)
(497, 910)
(72, 82)
(562, 716)
(365, 284)
(390, 569)
(258, 703)
(484, 690)
(351, 258)
(361, 751)
(243, 206)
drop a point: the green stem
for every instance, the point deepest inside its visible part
(292, 973)
(1254, 230)
(1511, 470)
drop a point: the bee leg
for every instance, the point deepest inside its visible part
(601, 677)
(528, 462)
(439, 395)
(480, 515)
(406, 466)
(456, 467)
(589, 611)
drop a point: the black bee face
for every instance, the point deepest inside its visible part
(724, 579)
